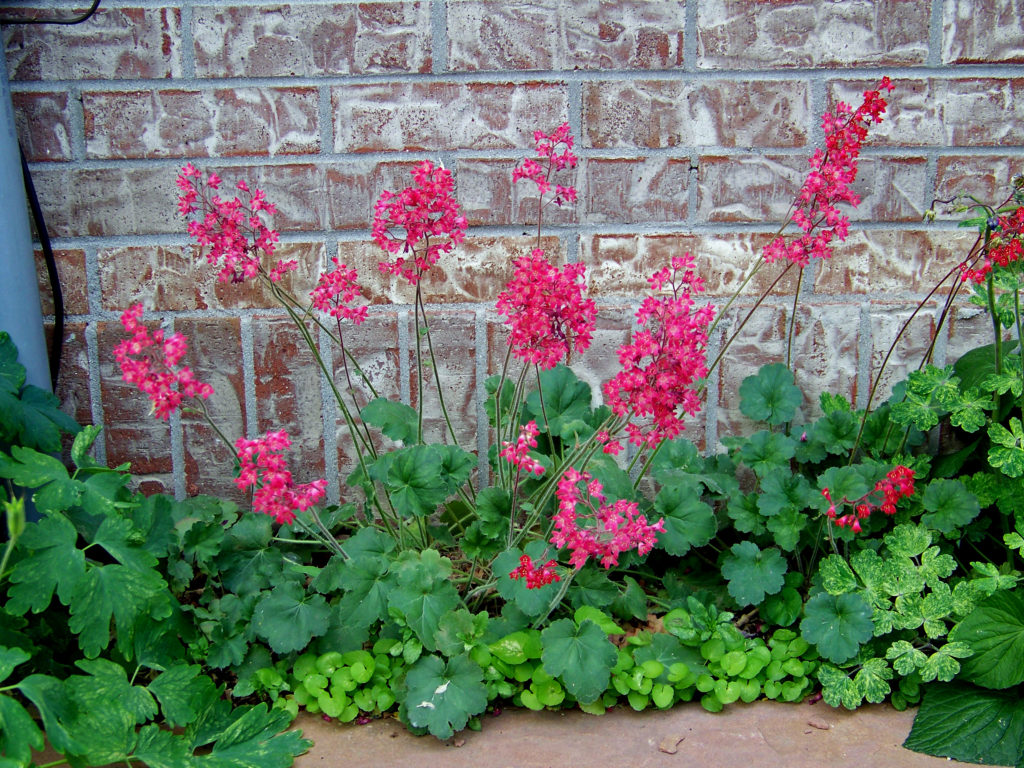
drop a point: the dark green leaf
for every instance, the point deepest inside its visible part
(837, 624)
(949, 505)
(566, 399)
(771, 395)
(396, 420)
(112, 592)
(443, 696)
(767, 452)
(55, 564)
(532, 602)
(107, 682)
(414, 481)
(55, 707)
(183, 692)
(581, 656)
(752, 572)
(289, 617)
(994, 631)
(19, 734)
(689, 522)
(423, 592)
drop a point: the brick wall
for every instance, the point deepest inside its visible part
(694, 122)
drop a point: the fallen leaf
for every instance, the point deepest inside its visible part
(821, 725)
(670, 744)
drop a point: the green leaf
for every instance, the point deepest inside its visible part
(56, 564)
(905, 658)
(872, 680)
(183, 692)
(836, 431)
(566, 399)
(456, 466)
(1007, 450)
(255, 737)
(837, 624)
(771, 395)
(31, 469)
(581, 656)
(414, 482)
(969, 724)
(396, 420)
(442, 696)
(19, 734)
(994, 631)
(836, 575)
(968, 412)
(532, 602)
(9, 659)
(289, 617)
(112, 592)
(786, 528)
(689, 522)
(424, 592)
(949, 505)
(767, 452)
(54, 706)
(907, 540)
(106, 682)
(783, 492)
(753, 573)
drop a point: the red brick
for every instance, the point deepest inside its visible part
(73, 282)
(108, 201)
(669, 113)
(619, 265)
(287, 389)
(171, 278)
(300, 40)
(488, 196)
(215, 356)
(968, 112)
(887, 319)
(475, 271)
(73, 376)
(453, 337)
(208, 123)
(982, 32)
(116, 43)
(440, 116)
(43, 122)
(738, 34)
(986, 177)
(887, 263)
(969, 327)
(131, 433)
(564, 35)
(636, 190)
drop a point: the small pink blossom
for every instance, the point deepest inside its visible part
(602, 531)
(518, 453)
(150, 361)
(336, 290)
(544, 307)
(555, 152)
(897, 484)
(263, 467)
(536, 576)
(421, 221)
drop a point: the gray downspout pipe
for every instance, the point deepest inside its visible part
(20, 313)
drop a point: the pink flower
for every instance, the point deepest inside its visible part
(233, 232)
(1003, 249)
(662, 363)
(603, 532)
(545, 310)
(897, 484)
(828, 183)
(409, 220)
(518, 453)
(536, 576)
(150, 361)
(263, 467)
(555, 152)
(336, 290)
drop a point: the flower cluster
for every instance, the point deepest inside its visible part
(150, 361)
(1005, 247)
(336, 290)
(536, 576)
(604, 531)
(235, 234)
(663, 362)
(518, 453)
(264, 468)
(407, 221)
(544, 307)
(828, 183)
(897, 484)
(552, 160)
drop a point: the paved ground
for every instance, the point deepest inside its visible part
(761, 735)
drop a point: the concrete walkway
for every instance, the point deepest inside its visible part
(765, 734)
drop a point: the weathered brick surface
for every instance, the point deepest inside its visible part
(619, 265)
(986, 177)
(443, 115)
(636, 189)
(43, 122)
(73, 377)
(891, 263)
(453, 337)
(488, 196)
(213, 356)
(565, 34)
(955, 112)
(73, 284)
(887, 320)
(738, 34)
(116, 43)
(670, 113)
(300, 39)
(982, 31)
(287, 388)
(178, 279)
(208, 123)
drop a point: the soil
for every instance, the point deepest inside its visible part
(765, 734)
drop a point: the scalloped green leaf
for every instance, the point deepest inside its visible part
(442, 696)
(771, 395)
(689, 522)
(948, 505)
(396, 420)
(837, 624)
(580, 655)
(288, 617)
(752, 572)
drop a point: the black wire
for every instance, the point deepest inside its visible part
(72, 20)
(57, 345)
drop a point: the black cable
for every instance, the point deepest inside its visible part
(72, 20)
(57, 345)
